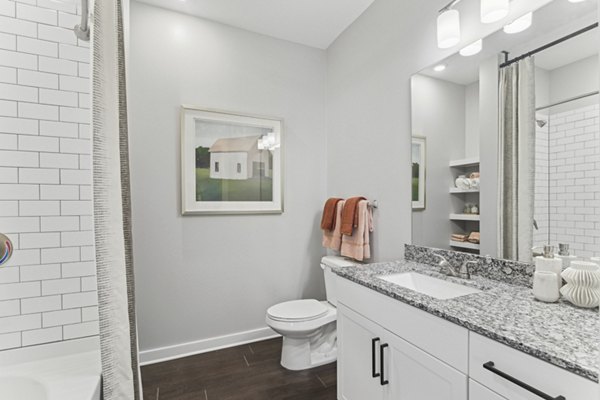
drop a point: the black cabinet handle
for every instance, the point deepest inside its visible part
(382, 379)
(490, 367)
(373, 361)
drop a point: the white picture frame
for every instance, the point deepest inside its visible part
(231, 163)
(418, 168)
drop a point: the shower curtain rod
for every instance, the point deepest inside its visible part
(547, 46)
(570, 99)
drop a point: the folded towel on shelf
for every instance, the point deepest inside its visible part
(329, 215)
(459, 237)
(357, 245)
(474, 237)
(350, 215)
(332, 239)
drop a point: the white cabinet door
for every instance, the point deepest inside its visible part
(416, 375)
(357, 355)
(480, 392)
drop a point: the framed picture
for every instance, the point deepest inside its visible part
(231, 163)
(419, 161)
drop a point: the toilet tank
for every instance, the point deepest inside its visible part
(327, 263)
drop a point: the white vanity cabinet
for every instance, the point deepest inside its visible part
(375, 364)
(390, 350)
(480, 392)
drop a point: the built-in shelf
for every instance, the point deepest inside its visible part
(464, 245)
(465, 162)
(464, 217)
(457, 190)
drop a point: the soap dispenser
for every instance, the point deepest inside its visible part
(548, 263)
(565, 255)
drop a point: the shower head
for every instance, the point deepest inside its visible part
(541, 123)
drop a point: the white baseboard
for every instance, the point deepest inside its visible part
(181, 350)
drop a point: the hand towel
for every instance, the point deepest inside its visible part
(333, 239)
(357, 245)
(350, 215)
(329, 214)
(474, 237)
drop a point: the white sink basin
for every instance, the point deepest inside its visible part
(438, 288)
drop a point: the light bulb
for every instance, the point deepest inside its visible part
(448, 29)
(494, 10)
(472, 49)
(520, 24)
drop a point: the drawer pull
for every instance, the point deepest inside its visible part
(490, 367)
(373, 357)
(382, 379)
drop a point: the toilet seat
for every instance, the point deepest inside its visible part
(297, 311)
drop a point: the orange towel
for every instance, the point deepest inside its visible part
(358, 245)
(350, 215)
(333, 239)
(329, 215)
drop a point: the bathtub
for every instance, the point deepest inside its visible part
(62, 371)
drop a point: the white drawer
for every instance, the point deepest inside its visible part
(438, 337)
(543, 376)
(480, 392)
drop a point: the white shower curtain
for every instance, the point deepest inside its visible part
(112, 211)
(516, 163)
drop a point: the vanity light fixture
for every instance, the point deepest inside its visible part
(439, 68)
(520, 24)
(448, 28)
(472, 49)
(494, 10)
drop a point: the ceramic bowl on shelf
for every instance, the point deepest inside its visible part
(583, 284)
(462, 182)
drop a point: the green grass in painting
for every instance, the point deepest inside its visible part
(415, 189)
(253, 189)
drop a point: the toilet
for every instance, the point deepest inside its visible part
(308, 326)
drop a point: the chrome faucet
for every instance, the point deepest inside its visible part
(446, 267)
(465, 272)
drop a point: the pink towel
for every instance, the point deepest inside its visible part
(358, 245)
(333, 239)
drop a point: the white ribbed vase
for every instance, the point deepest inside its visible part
(583, 284)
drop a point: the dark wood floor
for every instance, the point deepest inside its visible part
(248, 372)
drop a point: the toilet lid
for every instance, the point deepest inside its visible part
(297, 310)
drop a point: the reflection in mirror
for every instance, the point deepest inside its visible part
(513, 141)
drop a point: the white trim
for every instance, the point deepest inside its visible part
(181, 350)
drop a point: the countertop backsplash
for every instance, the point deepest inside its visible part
(512, 272)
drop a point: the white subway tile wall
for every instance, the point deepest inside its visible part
(573, 181)
(48, 288)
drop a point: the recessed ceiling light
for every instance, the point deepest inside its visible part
(439, 68)
(472, 49)
(520, 24)
(576, 1)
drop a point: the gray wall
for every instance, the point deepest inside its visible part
(488, 127)
(199, 277)
(438, 113)
(574, 79)
(472, 120)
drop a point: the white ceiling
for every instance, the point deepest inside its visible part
(551, 22)
(315, 23)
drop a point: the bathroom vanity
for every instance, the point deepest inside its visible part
(499, 343)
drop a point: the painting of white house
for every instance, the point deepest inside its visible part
(236, 162)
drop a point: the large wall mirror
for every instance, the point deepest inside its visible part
(512, 144)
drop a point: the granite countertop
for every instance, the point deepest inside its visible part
(558, 333)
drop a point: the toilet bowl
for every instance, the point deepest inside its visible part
(308, 326)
